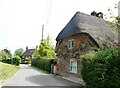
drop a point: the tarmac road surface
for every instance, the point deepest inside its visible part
(29, 76)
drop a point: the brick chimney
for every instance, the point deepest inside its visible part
(26, 47)
(100, 14)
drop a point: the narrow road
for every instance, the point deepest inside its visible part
(28, 76)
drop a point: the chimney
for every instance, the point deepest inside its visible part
(100, 14)
(27, 48)
(93, 13)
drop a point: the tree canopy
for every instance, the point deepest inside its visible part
(19, 52)
(115, 24)
(5, 54)
(46, 49)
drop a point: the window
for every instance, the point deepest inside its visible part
(70, 44)
(73, 66)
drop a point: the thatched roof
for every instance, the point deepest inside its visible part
(93, 26)
(28, 52)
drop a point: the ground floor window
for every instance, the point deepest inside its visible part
(73, 66)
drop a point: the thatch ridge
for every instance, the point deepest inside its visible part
(96, 27)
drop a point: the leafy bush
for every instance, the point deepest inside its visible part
(102, 69)
(8, 60)
(26, 61)
(16, 60)
(44, 64)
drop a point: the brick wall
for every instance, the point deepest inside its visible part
(65, 55)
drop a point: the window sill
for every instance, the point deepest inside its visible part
(70, 48)
(73, 72)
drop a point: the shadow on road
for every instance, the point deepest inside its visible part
(49, 80)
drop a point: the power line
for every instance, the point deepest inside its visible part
(44, 26)
(49, 11)
(47, 14)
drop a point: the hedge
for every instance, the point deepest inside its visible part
(8, 61)
(44, 64)
(101, 69)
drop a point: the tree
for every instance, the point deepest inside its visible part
(4, 55)
(46, 49)
(114, 24)
(19, 52)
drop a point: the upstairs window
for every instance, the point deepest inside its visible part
(70, 44)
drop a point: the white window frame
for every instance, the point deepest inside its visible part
(70, 44)
(73, 66)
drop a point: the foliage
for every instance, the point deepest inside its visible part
(5, 55)
(5, 71)
(2, 55)
(44, 64)
(46, 49)
(115, 24)
(102, 69)
(26, 60)
(19, 52)
(16, 60)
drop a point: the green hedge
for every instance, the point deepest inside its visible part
(44, 64)
(8, 61)
(101, 69)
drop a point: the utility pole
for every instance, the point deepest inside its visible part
(42, 32)
(119, 14)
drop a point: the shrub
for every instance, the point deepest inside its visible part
(28, 60)
(102, 70)
(16, 60)
(9, 61)
(44, 64)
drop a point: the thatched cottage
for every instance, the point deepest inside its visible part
(82, 33)
(29, 53)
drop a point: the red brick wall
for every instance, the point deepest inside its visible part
(64, 54)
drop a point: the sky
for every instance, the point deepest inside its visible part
(119, 8)
(21, 20)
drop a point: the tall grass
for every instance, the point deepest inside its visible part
(7, 70)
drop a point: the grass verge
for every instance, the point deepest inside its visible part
(7, 70)
(40, 69)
